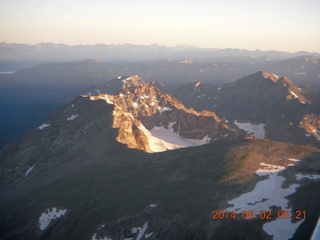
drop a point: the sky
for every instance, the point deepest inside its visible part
(284, 25)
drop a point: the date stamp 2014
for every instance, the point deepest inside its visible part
(263, 214)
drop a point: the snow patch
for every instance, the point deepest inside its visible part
(140, 230)
(281, 228)
(72, 117)
(28, 171)
(266, 193)
(294, 160)
(145, 97)
(49, 215)
(301, 73)
(161, 139)
(148, 235)
(275, 76)
(256, 130)
(135, 105)
(170, 125)
(129, 115)
(94, 237)
(44, 126)
(163, 109)
(313, 177)
(316, 231)
(294, 95)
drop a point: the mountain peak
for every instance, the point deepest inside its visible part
(269, 75)
(153, 121)
(132, 81)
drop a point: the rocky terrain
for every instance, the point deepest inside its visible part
(74, 177)
(150, 120)
(48, 86)
(288, 113)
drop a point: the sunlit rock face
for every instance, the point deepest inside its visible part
(153, 121)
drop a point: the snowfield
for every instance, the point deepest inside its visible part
(49, 215)
(253, 129)
(161, 139)
(268, 193)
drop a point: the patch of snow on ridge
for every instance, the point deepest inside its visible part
(49, 215)
(294, 95)
(316, 231)
(269, 193)
(135, 105)
(28, 171)
(148, 235)
(266, 193)
(161, 139)
(301, 73)
(313, 177)
(294, 160)
(256, 130)
(140, 230)
(163, 109)
(44, 126)
(94, 237)
(72, 117)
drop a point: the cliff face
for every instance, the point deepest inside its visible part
(153, 121)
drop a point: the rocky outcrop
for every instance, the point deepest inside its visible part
(140, 109)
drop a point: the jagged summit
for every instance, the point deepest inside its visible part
(153, 121)
(268, 75)
(132, 81)
(115, 85)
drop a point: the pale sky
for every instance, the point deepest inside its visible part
(285, 25)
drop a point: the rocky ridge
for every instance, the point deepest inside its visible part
(142, 112)
(262, 98)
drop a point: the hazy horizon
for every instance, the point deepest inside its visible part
(288, 25)
(162, 45)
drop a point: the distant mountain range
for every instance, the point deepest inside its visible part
(286, 112)
(49, 52)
